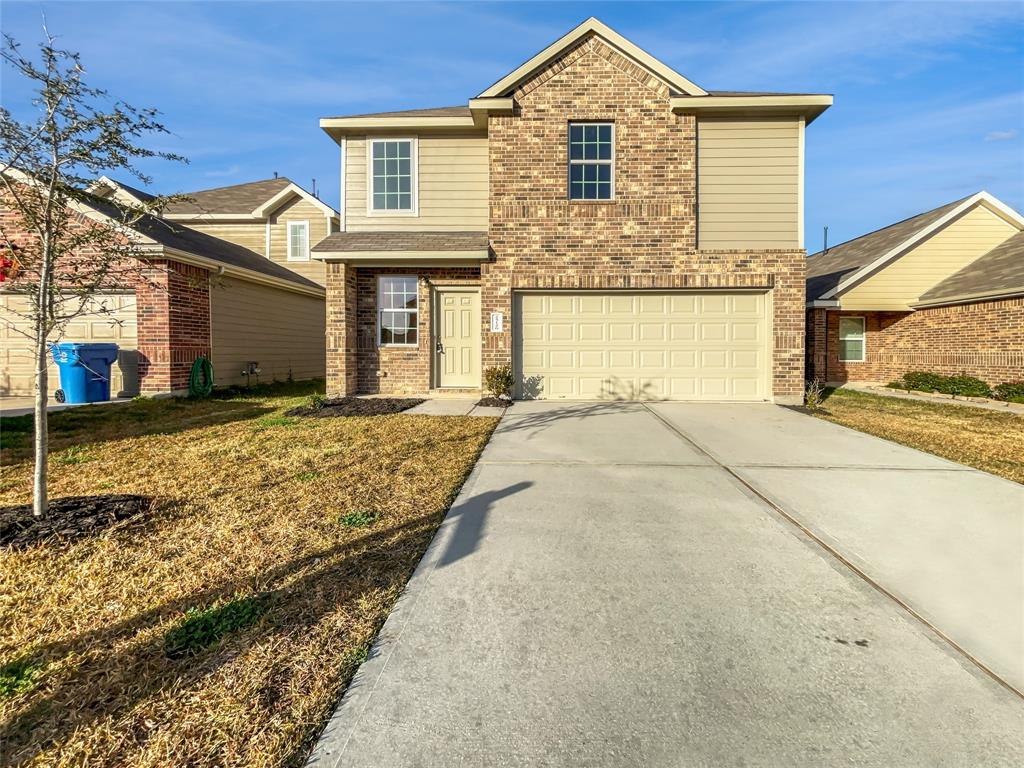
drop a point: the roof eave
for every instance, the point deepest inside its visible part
(393, 258)
(970, 298)
(809, 106)
(341, 126)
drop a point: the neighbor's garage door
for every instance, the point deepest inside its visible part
(111, 318)
(646, 345)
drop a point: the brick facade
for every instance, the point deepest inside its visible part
(173, 309)
(355, 362)
(646, 238)
(984, 339)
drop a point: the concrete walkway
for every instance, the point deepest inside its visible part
(615, 587)
(454, 406)
(22, 406)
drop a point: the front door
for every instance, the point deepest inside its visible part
(457, 338)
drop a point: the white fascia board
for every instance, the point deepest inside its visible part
(994, 204)
(264, 210)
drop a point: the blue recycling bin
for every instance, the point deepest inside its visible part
(84, 371)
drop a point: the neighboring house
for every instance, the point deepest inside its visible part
(197, 295)
(942, 291)
(274, 217)
(594, 218)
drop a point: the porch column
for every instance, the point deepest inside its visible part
(342, 358)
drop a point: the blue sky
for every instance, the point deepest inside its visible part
(929, 96)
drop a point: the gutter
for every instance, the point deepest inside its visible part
(233, 271)
(970, 298)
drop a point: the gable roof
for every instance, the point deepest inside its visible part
(825, 269)
(236, 198)
(179, 237)
(592, 26)
(831, 273)
(1000, 272)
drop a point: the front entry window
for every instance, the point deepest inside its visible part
(397, 311)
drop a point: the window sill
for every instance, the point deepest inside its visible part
(398, 346)
(593, 202)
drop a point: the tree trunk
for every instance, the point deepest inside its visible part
(40, 498)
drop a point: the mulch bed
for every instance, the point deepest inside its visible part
(69, 518)
(494, 402)
(357, 406)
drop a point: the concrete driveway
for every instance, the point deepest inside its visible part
(624, 585)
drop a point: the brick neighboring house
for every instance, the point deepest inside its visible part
(942, 291)
(594, 218)
(194, 294)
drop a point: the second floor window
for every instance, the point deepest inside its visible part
(298, 241)
(591, 161)
(393, 173)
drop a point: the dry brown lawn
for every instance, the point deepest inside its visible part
(988, 440)
(319, 520)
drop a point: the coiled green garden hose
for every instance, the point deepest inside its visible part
(200, 381)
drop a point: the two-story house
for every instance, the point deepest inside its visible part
(594, 218)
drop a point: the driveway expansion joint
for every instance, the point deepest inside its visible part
(834, 552)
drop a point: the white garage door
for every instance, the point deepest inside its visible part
(112, 318)
(644, 345)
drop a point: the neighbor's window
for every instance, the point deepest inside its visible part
(591, 161)
(397, 310)
(392, 173)
(298, 241)
(851, 339)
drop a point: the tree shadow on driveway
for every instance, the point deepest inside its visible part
(470, 516)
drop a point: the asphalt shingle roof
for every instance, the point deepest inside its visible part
(999, 270)
(237, 198)
(457, 111)
(825, 270)
(403, 241)
(171, 234)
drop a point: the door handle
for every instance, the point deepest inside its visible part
(439, 347)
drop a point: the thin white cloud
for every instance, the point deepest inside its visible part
(219, 173)
(1002, 135)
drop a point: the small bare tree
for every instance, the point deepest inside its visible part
(65, 242)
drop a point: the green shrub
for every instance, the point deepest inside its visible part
(959, 386)
(1011, 391)
(316, 401)
(204, 627)
(499, 380)
(814, 394)
(18, 676)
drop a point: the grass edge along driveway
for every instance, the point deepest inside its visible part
(984, 439)
(223, 627)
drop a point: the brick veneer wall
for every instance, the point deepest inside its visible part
(355, 362)
(172, 302)
(646, 237)
(985, 339)
(173, 306)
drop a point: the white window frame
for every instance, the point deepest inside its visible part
(288, 236)
(414, 179)
(380, 309)
(568, 169)
(863, 339)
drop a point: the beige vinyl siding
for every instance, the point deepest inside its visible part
(111, 318)
(748, 182)
(248, 234)
(900, 284)
(452, 184)
(298, 209)
(281, 330)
